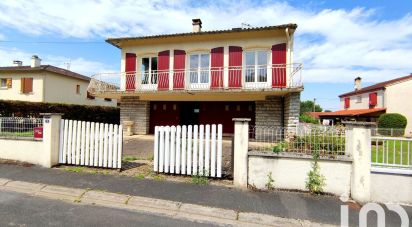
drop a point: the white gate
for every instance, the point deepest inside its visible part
(188, 150)
(90, 144)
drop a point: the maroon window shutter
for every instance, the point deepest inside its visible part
(347, 102)
(279, 65)
(179, 69)
(373, 99)
(235, 67)
(163, 70)
(216, 68)
(130, 71)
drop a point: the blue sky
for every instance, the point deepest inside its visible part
(335, 40)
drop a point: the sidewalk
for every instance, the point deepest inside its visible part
(320, 209)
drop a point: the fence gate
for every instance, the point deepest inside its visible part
(188, 150)
(90, 144)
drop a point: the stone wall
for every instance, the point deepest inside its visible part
(269, 112)
(292, 109)
(132, 109)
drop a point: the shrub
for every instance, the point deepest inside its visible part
(72, 112)
(308, 119)
(392, 120)
(315, 181)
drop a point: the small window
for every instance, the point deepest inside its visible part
(107, 99)
(90, 96)
(226, 107)
(26, 85)
(77, 89)
(154, 107)
(164, 107)
(358, 99)
(3, 83)
(238, 108)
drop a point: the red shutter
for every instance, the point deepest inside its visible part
(163, 70)
(373, 99)
(279, 65)
(179, 69)
(235, 67)
(130, 72)
(347, 102)
(216, 67)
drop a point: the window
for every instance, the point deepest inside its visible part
(3, 83)
(77, 89)
(26, 85)
(256, 63)
(358, 99)
(149, 70)
(199, 68)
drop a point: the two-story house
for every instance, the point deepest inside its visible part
(368, 103)
(46, 83)
(206, 77)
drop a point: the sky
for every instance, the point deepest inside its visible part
(336, 40)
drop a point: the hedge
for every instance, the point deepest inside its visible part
(308, 119)
(72, 112)
(392, 120)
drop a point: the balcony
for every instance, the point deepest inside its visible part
(285, 77)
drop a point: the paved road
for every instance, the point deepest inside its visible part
(22, 210)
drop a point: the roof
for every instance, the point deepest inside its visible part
(314, 114)
(377, 86)
(115, 41)
(352, 113)
(48, 68)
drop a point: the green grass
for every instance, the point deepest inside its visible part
(199, 179)
(399, 159)
(17, 134)
(76, 169)
(130, 158)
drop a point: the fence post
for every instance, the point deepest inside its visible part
(240, 148)
(51, 138)
(358, 145)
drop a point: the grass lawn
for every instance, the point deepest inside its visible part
(17, 134)
(385, 152)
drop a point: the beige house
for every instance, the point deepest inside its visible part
(368, 103)
(46, 83)
(206, 77)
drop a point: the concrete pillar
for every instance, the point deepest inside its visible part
(51, 138)
(358, 145)
(240, 149)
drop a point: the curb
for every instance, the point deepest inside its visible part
(177, 210)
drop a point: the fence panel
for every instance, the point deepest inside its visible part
(392, 153)
(90, 144)
(189, 150)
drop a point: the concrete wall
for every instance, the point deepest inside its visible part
(393, 188)
(364, 101)
(14, 93)
(291, 172)
(23, 150)
(133, 109)
(395, 101)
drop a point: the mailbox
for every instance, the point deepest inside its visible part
(38, 132)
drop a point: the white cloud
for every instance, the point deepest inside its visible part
(334, 45)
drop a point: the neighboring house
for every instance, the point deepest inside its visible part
(206, 77)
(46, 83)
(368, 103)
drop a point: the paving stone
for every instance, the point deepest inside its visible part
(99, 197)
(155, 203)
(208, 211)
(63, 190)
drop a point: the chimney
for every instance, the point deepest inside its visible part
(358, 83)
(35, 61)
(197, 25)
(17, 63)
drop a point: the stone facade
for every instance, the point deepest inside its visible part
(269, 112)
(292, 109)
(132, 109)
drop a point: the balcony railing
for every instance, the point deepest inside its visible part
(225, 78)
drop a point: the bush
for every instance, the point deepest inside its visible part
(392, 120)
(73, 112)
(308, 119)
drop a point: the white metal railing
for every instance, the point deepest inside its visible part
(392, 152)
(221, 78)
(389, 132)
(326, 141)
(17, 127)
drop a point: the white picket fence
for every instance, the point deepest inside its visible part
(90, 144)
(188, 150)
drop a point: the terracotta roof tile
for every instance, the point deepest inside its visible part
(48, 68)
(351, 113)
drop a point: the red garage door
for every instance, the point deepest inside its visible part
(164, 113)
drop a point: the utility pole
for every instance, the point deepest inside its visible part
(314, 103)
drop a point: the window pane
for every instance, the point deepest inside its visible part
(262, 66)
(145, 70)
(250, 58)
(262, 58)
(204, 61)
(153, 74)
(3, 82)
(194, 61)
(154, 64)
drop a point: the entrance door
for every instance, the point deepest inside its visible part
(189, 114)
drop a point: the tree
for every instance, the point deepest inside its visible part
(307, 106)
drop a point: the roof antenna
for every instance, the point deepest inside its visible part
(68, 64)
(245, 25)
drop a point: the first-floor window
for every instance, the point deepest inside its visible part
(3, 83)
(149, 70)
(26, 85)
(199, 68)
(256, 63)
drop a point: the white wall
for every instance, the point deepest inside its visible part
(291, 173)
(14, 93)
(24, 150)
(364, 104)
(393, 188)
(397, 101)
